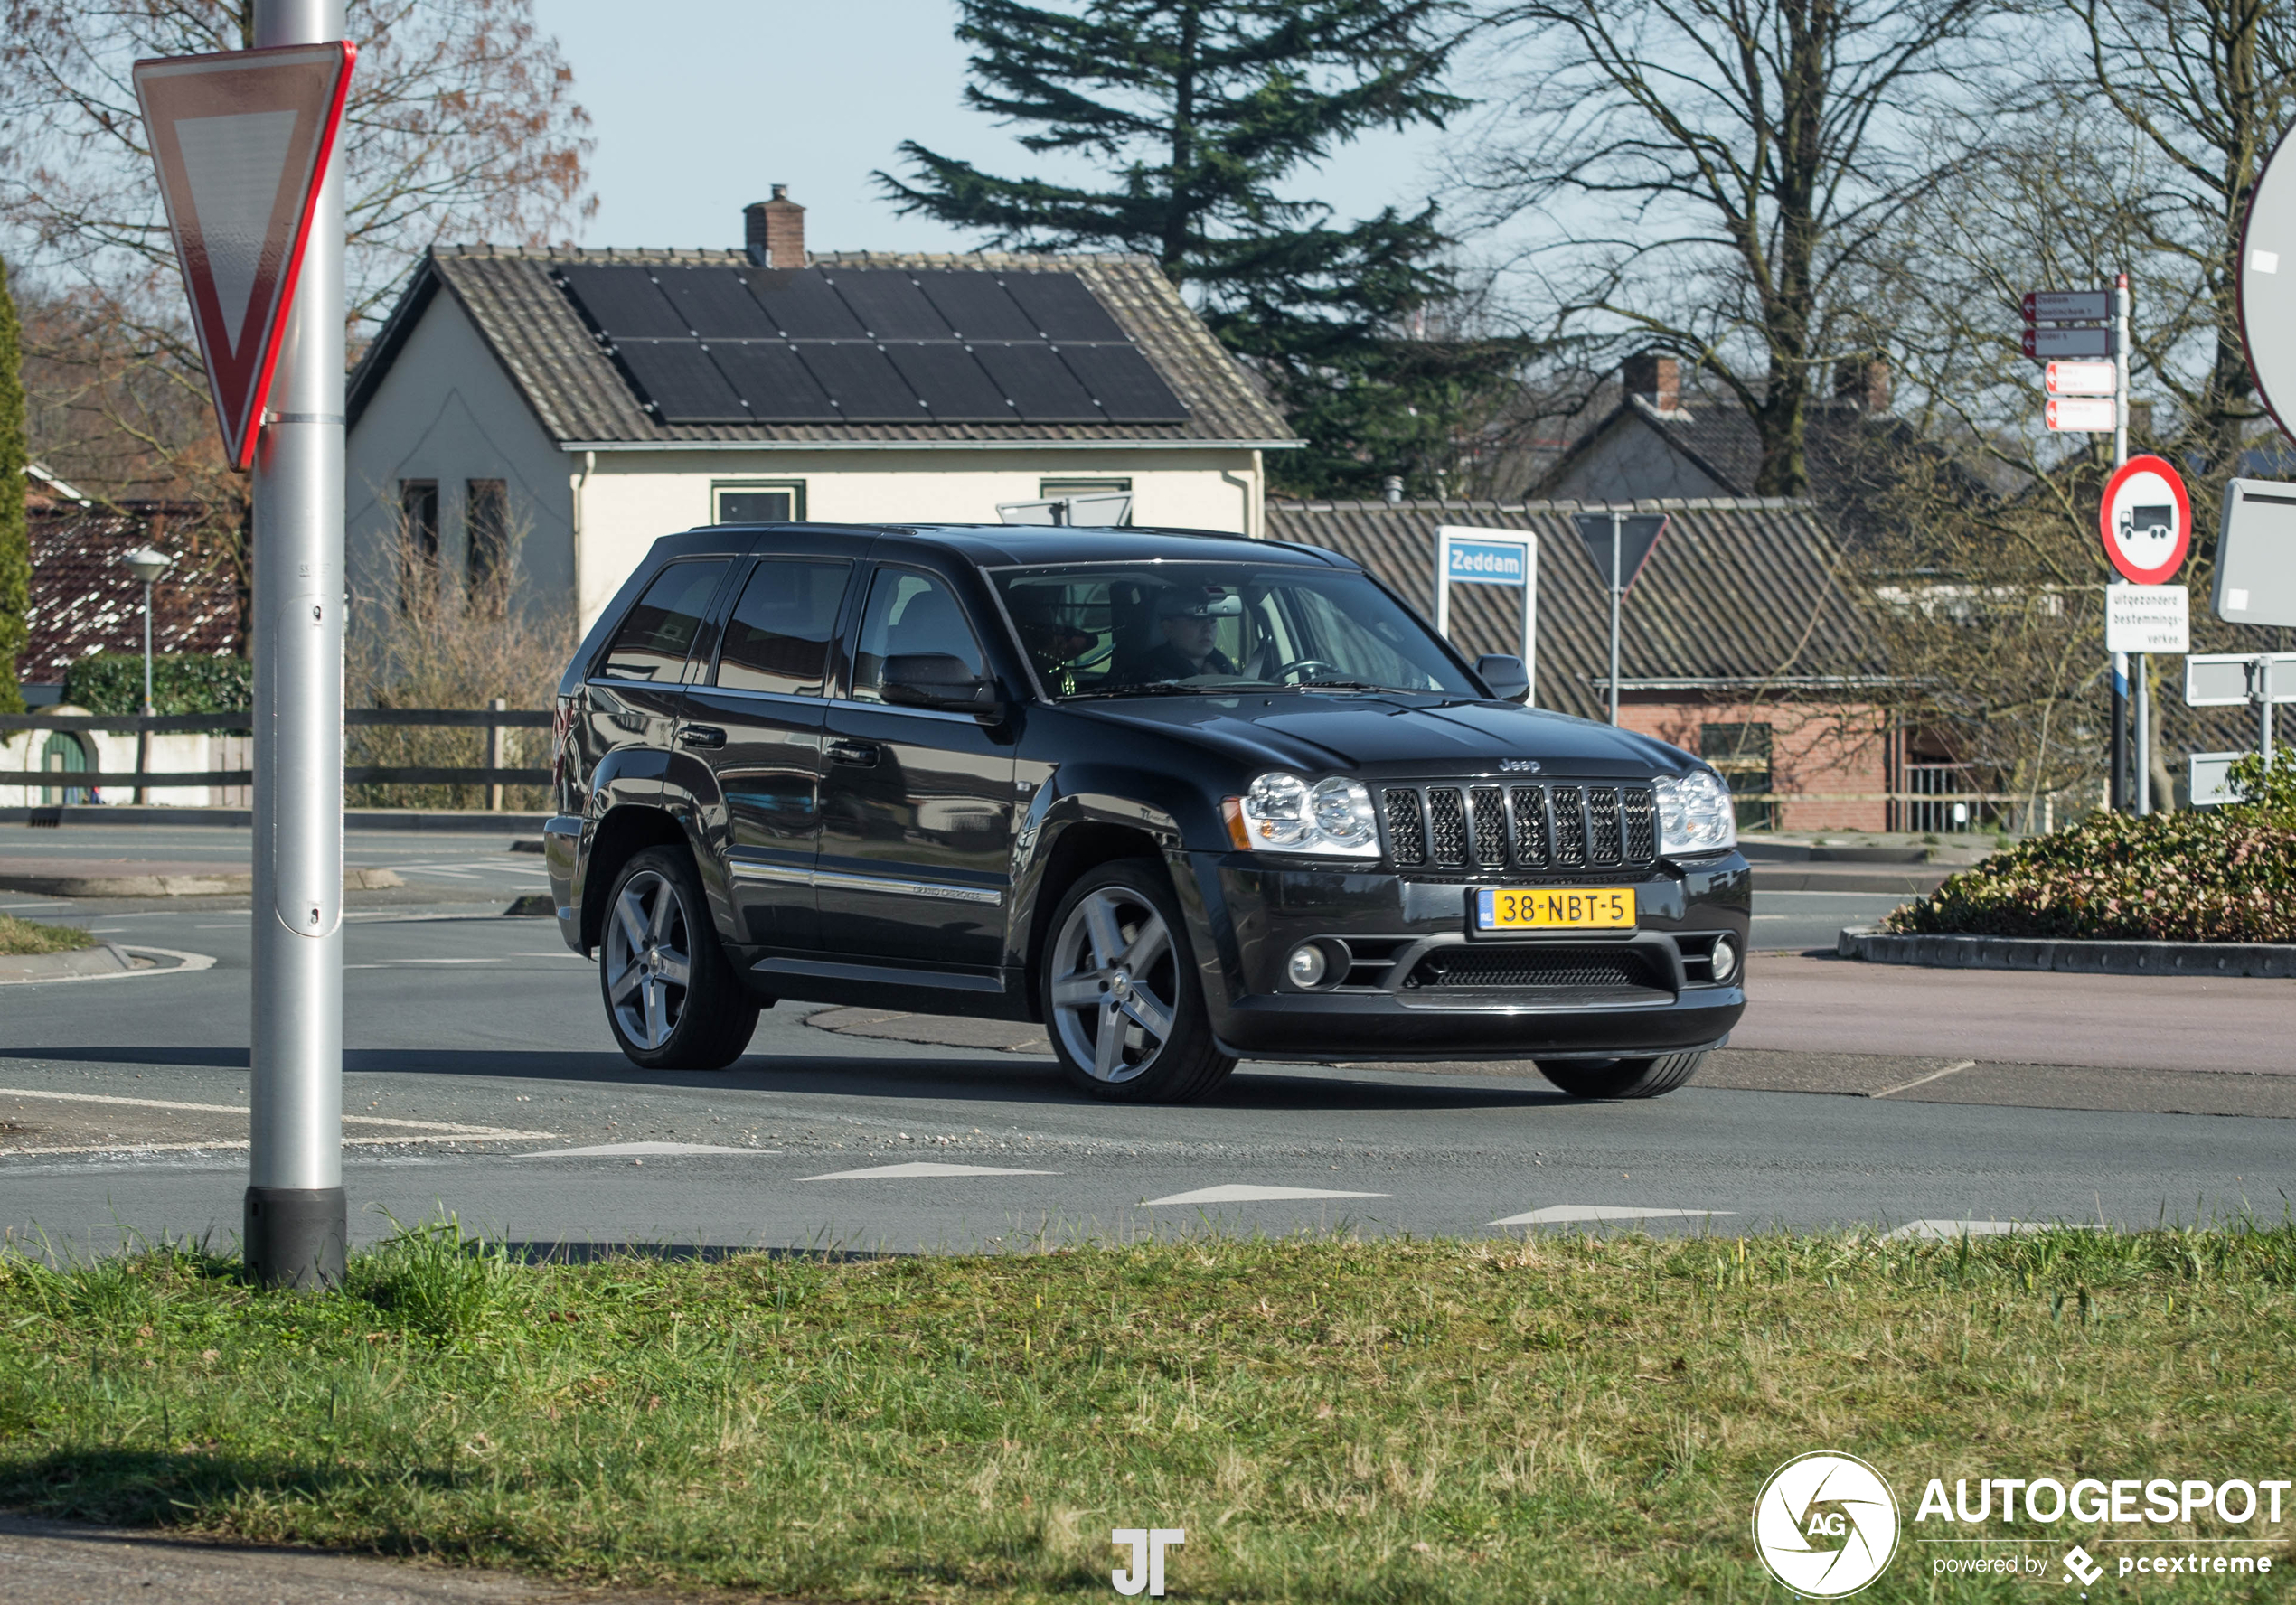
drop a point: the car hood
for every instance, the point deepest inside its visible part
(1390, 736)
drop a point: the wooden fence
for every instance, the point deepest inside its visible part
(491, 719)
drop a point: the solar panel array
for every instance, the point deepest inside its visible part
(731, 345)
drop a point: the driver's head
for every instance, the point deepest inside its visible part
(1187, 621)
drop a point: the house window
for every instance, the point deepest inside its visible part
(1049, 488)
(487, 528)
(760, 501)
(1742, 753)
(418, 537)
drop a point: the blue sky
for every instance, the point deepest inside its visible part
(699, 105)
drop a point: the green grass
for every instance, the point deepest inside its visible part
(23, 936)
(1331, 1420)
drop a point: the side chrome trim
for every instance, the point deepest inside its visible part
(882, 974)
(751, 870)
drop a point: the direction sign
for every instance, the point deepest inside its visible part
(2256, 554)
(2095, 415)
(1638, 533)
(2228, 680)
(2067, 343)
(240, 139)
(2082, 378)
(2142, 618)
(2067, 306)
(2146, 520)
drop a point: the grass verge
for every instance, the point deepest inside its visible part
(1562, 1419)
(19, 937)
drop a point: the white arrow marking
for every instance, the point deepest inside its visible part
(924, 1167)
(1557, 1214)
(1245, 1193)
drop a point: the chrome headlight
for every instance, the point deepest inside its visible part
(1329, 818)
(1696, 814)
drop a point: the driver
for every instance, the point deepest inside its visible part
(1188, 617)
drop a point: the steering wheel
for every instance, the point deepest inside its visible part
(1299, 666)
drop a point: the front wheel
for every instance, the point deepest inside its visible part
(1120, 992)
(672, 1000)
(1621, 1078)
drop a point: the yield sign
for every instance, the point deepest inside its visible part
(1638, 532)
(241, 138)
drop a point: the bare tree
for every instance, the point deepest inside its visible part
(1710, 175)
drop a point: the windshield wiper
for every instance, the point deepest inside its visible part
(1340, 685)
(1161, 688)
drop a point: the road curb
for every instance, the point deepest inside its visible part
(108, 962)
(2263, 960)
(172, 885)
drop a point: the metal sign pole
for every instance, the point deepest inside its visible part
(1617, 522)
(2144, 777)
(2264, 705)
(1530, 620)
(294, 1212)
(1442, 584)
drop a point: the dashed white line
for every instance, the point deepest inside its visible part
(1246, 1192)
(1562, 1213)
(924, 1167)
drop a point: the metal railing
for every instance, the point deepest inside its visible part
(240, 723)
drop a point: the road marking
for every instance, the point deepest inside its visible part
(1925, 1080)
(1246, 1192)
(924, 1167)
(1933, 1231)
(349, 1119)
(1561, 1214)
(631, 1150)
(240, 1144)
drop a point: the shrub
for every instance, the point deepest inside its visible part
(182, 683)
(2205, 875)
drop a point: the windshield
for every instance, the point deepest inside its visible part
(1142, 629)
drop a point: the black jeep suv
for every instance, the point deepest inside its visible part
(1186, 797)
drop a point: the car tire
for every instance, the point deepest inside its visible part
(1116, 960)
(680, 1006)
(1622, 1078)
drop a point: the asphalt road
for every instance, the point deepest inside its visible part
(481, 1081)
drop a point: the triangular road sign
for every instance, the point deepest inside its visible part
(241, 138)
(1638, 533)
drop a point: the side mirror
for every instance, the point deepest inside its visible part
(1509, 680)
(937, 680)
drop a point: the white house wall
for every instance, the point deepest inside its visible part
(446, 411)
(632, 498)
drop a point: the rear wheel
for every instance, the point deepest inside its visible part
(673, 1002)
(1120, 993)
(1621, 1078)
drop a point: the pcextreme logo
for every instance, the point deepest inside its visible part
(1825, 1524)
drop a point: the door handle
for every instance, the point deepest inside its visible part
(702, 735)
(861, 755)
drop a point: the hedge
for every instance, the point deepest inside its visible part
(182, 683)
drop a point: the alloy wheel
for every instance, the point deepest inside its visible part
(648, 945)
(1115, 978)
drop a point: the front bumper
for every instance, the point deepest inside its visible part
(1419, 983)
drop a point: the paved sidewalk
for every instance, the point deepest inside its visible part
(66, 1564)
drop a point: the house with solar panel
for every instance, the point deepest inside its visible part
(581, 403)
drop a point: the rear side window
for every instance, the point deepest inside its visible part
(909, 612)
(779, 637)
(654, 640)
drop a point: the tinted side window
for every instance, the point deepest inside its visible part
(779, 637)
(654, 640)
(909, 612)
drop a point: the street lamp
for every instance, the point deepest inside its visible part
(148, 565)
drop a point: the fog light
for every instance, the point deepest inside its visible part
(1305, 966)
(1726, 959)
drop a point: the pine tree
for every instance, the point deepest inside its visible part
(15, 548)
(1199, 112)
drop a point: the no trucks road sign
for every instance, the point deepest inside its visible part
(2146, 520)
(240, 139)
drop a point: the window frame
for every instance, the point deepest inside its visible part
(857, 621)
(719, 487)
(834, 652)
(731, 561)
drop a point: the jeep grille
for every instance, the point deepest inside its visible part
(1490, 828)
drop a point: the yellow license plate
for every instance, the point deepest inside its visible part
(1541, 908)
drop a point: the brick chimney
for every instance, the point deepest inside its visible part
(1863, 383)
(1654, 377)
(775, 230)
